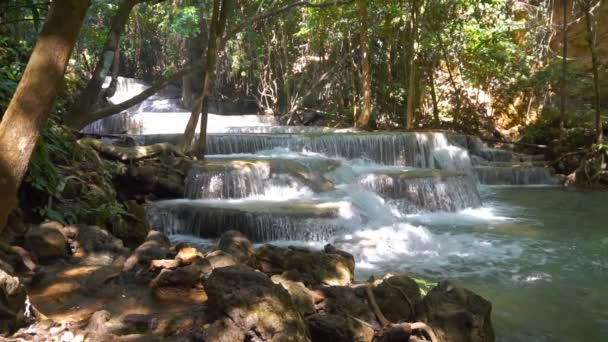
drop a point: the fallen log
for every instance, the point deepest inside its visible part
(130, 154)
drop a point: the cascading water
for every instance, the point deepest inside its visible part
(400, 202)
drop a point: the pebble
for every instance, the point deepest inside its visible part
(55, 330)
(67, 336)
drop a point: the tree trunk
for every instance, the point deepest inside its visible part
(412, 81)
(591, 39)
(90, 95)
(31, 104)
(201, 146)
(562, 106)
(366, 85)
(434, 93)
(201, 107)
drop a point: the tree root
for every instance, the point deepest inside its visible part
(389, 328)
(130, 154)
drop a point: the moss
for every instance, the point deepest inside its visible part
(424, 173)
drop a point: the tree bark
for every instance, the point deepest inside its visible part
(90, 95)
(433, 93)
(366, 110)
(562, 106)
(412, 79)
(31, 104)
(591, 40)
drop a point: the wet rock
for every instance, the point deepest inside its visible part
(47, 241)
(397, 297)
(320, 268)
(236, 244)
(156, 246)
(187, 255)
(12, 303)
(255, 304)
(302, 298)
(456, 314)
(334, 328)
(219, 259)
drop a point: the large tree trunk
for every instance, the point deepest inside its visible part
(366, 111)
(591, 39)
(90, 95)
(412, 79)
(31, 104)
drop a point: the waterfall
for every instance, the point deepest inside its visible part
(425, 150)
(259, 220)
(425, 190)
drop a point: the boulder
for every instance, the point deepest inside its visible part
(334, 328)
(236, 244)
(12, 303)
(316, 267)
(87, 240)
(397, 297)
(456, 314)
(47, 241)
(302, 297)
(186, 255)
(255, 304)
(219, 259)
(346, 301)
(156, 246)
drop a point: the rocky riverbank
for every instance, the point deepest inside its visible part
(79, 283)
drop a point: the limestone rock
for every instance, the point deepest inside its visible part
(87, 240)
(47, 241)
(347, 302)
(156, 246)
(390, 296)
(456, 314)
(317, 267)
(334, 328)
(302, 297)
(12, 303)
(253, 302)
(235, 243)
(219, 259)
(186, 255)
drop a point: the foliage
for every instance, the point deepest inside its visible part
(13, 57)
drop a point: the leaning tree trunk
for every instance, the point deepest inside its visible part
(90, 95)
(31, 104)
(366, 111)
